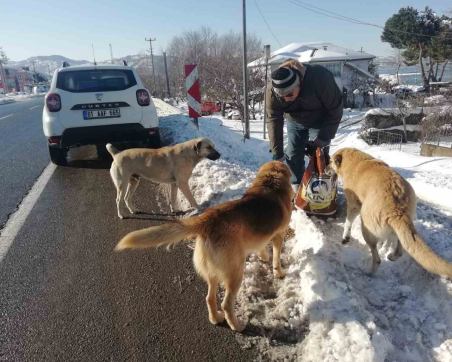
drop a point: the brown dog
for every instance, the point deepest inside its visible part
(226, 234)
(387, 204)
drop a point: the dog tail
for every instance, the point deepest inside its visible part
(111, 149)
(154, 236)
(417, 248)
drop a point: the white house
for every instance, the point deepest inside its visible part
(348, 66)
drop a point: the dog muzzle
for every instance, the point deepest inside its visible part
(213, 156)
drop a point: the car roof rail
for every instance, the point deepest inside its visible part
(65, 64)
(124, 62)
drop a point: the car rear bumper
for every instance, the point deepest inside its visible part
(119, 133)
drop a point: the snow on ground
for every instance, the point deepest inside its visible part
(328, 308)
(17, 97)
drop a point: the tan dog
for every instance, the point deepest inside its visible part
(226, 234)
(387, 204)
(172, 164)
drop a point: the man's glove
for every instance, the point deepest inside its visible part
(311, 146)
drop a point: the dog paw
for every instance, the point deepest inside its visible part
(278, 273)
(237, 325)
(264, 256)
(217, 318)
(394, 256)
(345, 240)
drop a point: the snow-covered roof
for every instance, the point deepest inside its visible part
(312, 53)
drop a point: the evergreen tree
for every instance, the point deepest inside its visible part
(424, 37)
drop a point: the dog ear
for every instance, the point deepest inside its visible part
(337, 160)
(197, 146)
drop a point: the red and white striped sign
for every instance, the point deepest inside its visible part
(193, 90)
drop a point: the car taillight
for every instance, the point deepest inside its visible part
(53, 102)
(54, 140)
(143, 97)
(153, 131)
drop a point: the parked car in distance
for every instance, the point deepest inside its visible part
(97, 104)
(209, 107)
(37, 89)
(233, 114)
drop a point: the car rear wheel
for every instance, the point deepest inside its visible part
(58, 155)
(102, 152)
(154, 141)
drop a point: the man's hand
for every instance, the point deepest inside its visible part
(311, 146)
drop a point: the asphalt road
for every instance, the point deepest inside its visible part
(66, 296)
(23, 152)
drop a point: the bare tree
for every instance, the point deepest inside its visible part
(219, 60)
(3, 61)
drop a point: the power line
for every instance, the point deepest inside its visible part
(266, 23)
(331, 14)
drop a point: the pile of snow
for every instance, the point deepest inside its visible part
(17, 97)
(435, 100)
(391, 78)
(408, 88)
(5, 100)
(328, 308)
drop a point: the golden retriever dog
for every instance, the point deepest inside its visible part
(227, 233)
(387, 205)
(172, 165)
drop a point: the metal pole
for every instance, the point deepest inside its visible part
(245, 76)
(111, 53)
(166, 74)
(94, 56)
(266, 55)
(152, 59)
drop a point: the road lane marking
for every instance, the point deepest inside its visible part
(35, 107)
(15, 222)
(9, 115)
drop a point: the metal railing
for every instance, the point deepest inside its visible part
(387, 139)
(441, 136)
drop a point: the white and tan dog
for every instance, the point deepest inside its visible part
(226, 234)
(387, 205)
(172, 165)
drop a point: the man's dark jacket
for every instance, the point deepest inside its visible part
(319, 105)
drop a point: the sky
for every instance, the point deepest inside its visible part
(70, 28)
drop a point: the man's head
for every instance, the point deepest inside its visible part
(286, 83)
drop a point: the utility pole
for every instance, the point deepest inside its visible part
(111, 53)
(245, 76)
(166, 73)
(266, 55)
(33, 63)
(94, 56)
(150, 40)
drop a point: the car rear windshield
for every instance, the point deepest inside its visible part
(96, 80)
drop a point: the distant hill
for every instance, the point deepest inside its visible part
(48, 63)
(45, 63)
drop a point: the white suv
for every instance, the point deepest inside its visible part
(97, 104)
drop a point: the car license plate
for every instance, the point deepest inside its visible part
(102, 113)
